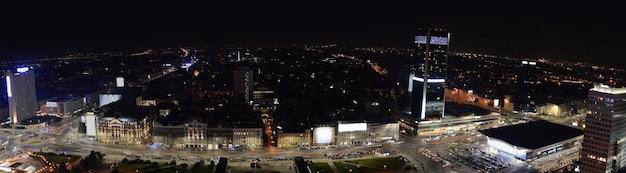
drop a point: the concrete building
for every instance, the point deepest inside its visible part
(243, 85)
(207, 130)
(22, 94)
(117, 124)
(365, 133)
(293, 139)
(533, 140)
(603, 147)
(63, 107)
(555, 109)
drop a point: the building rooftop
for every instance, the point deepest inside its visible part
(64, 99)
(125, 112)
(608, 90)
(212, 118)
(39, 119)
(534, 134)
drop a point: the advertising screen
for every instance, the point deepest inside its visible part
(324, 135)
(352, 127)
(433, 40)
(109, 98)
(91, 125)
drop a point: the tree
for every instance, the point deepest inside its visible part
(173, 163)
(124, 160)
(196, 165)
(92, 160)
(77, 169)
(212, 164)
(63, 168)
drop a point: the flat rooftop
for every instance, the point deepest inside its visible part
(534, 134)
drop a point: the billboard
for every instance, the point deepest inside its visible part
(108, 98)
(352, 127)
(119, 82)
(90, 124)
(323, 135)
(433, 40)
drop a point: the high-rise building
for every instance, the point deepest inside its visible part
(603, 148)
(428, 73)
(21, 93)
(526, 87)
(243, 84)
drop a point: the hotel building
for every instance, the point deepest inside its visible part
(603, 148)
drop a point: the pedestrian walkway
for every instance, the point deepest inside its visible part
(332, 166)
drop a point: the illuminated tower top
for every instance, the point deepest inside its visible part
(437, 53)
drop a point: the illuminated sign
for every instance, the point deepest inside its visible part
(22, 69)
(109, 98)
(430, 80)
(352, 127)
(433, 40)
(324, 135)
(119, 82)
(90, 124)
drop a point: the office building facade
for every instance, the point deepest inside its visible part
(603, 148)
(63, 107)
(525, 91)
(21, 91)
(243, 85)
(428, 74)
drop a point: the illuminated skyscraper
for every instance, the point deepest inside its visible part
(243, 84)
(428, 73)
(603, 148)
(21, 93)
(526, 87)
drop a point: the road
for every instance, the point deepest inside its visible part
(63, 137)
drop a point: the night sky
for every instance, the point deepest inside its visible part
(579, 32)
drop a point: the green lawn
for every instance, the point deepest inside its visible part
(52, 157)
(170, 169)
(345, 168)
(315, 167)
(202, 168)
(391, 162)
(127, 166)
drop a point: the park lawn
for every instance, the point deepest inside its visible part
(170, 170)
(315, 167)
(345, 168)
(391, 162)
(202, 168)
(128, 166)
(52, 157)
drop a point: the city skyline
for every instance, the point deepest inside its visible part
(578, 33)
(182, 103)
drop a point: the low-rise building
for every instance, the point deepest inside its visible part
(208, 129)
(63, 107)
(124, 124)
(293, 139)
